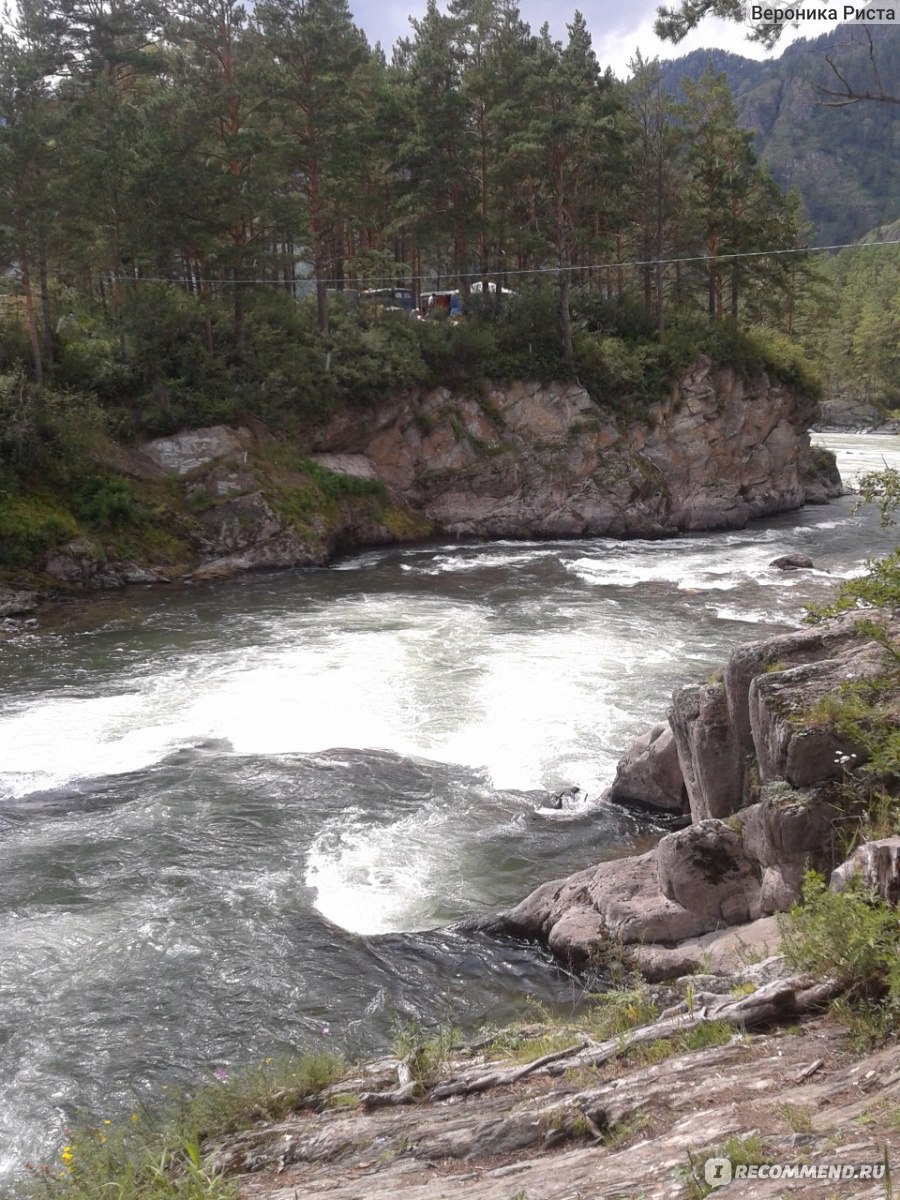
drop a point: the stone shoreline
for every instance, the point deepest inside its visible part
(761, 780)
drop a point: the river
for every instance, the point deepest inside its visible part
(243, 817)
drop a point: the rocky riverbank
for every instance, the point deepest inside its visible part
(525, 460)
(641, 1123)
(758, 762)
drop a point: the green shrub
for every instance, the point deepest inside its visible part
(615, 1012)
(527, 335)
(46, 429)
(373, 357)
(619, 374)
(266, 1092)
(785, 361)
(15, 346)
(849, 936)
(593, 312)
(456, 354)
(728, 344)
(106, 500)
(425, 1053)
(29, 527)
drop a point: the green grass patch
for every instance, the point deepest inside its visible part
(160, 1156)
(30, 526)
(425, 1052)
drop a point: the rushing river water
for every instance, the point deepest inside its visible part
(233, 816)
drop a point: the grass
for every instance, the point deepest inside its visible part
(160, 1157)
(854, 938)
(797, 1118)
(606, 1015)
(425, 1053)
(619, 1135)
(616, 1012)
(740, 1151)
(709, 1033)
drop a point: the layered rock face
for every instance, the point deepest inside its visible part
(761, 776)
(524, 460)
(546, 460)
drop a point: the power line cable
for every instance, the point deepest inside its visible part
(529, 271)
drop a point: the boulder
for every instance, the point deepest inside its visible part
(614, 902)
(355, 465)
(239, 524)
(650, 773)
(706, 870)
(727, 952)
(80, 563)
(792, 562)
(788, 833)
(876, 865)
(183, 453)
(15, 603)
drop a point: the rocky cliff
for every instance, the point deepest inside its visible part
(758, 761)
(524, 460)
(547, 461)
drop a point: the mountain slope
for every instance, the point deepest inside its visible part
(844, 161)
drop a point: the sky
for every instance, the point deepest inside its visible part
(618, 28)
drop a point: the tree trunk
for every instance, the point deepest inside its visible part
(565, 320)
(25, 272)
(46, 321)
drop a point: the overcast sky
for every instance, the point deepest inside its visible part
(618, 27)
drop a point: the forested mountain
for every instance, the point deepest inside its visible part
(845, 161)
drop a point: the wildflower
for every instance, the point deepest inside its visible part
(220, 1073)
(326, 1030)
(67, 1154)
(134, 1118)
(107, 1122)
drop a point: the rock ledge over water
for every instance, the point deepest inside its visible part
(761, 776)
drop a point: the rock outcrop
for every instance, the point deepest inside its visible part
(546, 460)
(16, 602)
(792, 562)
(847, 411)
(875, 866)
(561, 1127)
(522, 460)
(761, 772)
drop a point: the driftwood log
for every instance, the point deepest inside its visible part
(780, 1000)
